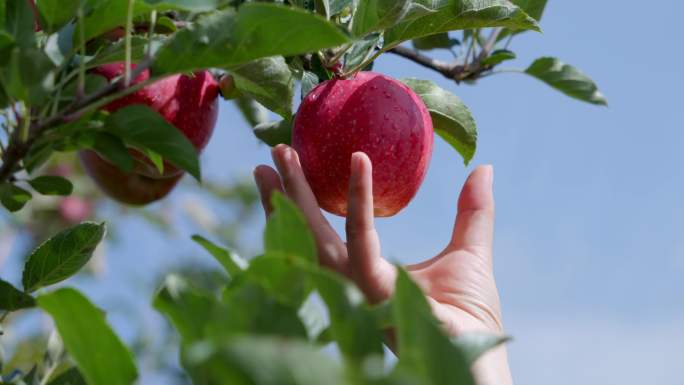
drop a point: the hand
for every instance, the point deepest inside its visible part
(458, 282)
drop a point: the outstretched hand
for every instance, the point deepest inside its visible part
(458, 282)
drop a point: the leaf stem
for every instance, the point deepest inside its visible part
(153, 26)
(129, 31)
(471, 49)
(340, 53)
(503, 71)
(80, 89)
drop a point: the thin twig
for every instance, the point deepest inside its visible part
(444, 68)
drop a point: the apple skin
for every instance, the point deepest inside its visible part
(371, 113)
(190, 103)
(132, 188)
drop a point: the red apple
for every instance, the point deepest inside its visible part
(132, 188)
(188, 102)
(371, 113)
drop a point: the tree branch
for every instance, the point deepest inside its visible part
(444, 68)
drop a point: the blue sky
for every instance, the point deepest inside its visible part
(589, 254)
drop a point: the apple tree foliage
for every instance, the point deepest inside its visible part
(269, 318)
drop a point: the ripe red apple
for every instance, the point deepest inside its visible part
(188, 102)
(132, 188)
(371, 113)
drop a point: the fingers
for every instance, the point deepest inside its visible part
(474, 227)
(267, 181)
(374, 275)
(331, 249)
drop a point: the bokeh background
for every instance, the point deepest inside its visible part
(589, 251)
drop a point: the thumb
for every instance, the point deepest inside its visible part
(474, 226)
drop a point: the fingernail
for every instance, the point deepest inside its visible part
(490, 173)
(355, 163)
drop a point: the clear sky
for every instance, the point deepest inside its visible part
(589, 250)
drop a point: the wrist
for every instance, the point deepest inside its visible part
(492, 368)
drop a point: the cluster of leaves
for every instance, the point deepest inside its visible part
(50, 101)
(267, 322)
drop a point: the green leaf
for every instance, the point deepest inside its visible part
(534, 8)
(282, 278)
(12, 299)
(249, 308)
(309, 81)
(361, 50)
(51, 185)
(274, 133)
(258, 30)
(376, 15)
(498, 57)
(287, 232)
(263, 361)
(424, 349)
(99, 353)
(187, 307)
(19, 22)
(70, 377)
(253, 112)
(352, 324)
(62, 256)
(142, 127)
(29, 75)
(451, 119)
(566, 79)
(54, 14)
(93, 82)
(231, 262)
(156, 160)
(6, 45)
(110, 14)
(430, 42)
(186, 5)
(450, 15)
(269, 81)
(116, 52)
(113, 150)
(475, 345)
(12, 197)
